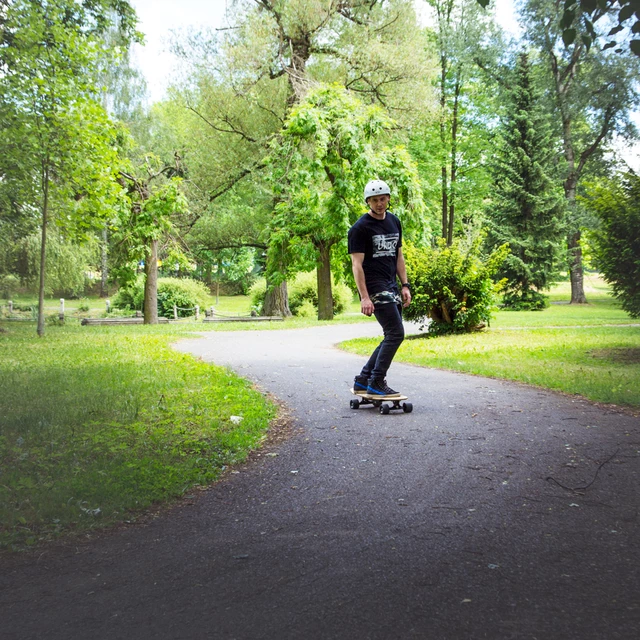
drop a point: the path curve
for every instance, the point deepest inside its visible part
(439, 524)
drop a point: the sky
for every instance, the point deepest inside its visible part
(159, 17)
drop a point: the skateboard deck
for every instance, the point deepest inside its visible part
(381, 402)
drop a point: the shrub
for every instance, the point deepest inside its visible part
(9, 285)
(453, 288)
(130, 296)
(525, 300)
(257, 293)
(303, 295)
(185, 293)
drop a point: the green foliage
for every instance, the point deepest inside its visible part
(9, 284)
(617, 242)
(453, 287)
(329, 148)
(185, 293)
(66, 264)
(147, 214)
(304, 289)
(526, 208)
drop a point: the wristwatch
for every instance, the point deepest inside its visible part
(406, 284)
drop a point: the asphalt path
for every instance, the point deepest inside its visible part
(492, 511)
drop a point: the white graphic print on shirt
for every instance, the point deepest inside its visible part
(385, 245)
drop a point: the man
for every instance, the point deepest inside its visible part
(375, 245)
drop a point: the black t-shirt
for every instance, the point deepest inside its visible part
(379, 240)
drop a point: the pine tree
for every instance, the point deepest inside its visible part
(527, 206)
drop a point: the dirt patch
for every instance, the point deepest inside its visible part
(622, 355)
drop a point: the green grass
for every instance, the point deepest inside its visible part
(568, 348)
(99, 423)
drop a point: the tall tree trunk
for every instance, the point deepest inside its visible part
(323, 272)
(43, 247)
(444, 187)
(445, 201)
(576, 270)
(276, 300)
(454, 162)
(151, 284)
(104, 269)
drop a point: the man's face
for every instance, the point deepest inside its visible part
(379, 204)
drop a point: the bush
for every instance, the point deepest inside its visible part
(185, 293)
(525, 300)
(257, 293)
(303, 295)
(9, 285)
(131, 296)
(453, 288)
(617, 242)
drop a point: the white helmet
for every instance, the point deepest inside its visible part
(376, 188)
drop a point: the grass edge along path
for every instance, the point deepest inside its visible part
(600, 363)
(97, 426)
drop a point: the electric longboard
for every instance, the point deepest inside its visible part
(381, 402)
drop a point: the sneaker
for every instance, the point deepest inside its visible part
(360, 384)
(380, 388)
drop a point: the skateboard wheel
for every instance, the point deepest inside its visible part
(384, 409)
(355, 404)
(407, 407)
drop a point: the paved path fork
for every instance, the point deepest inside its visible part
(456, 521)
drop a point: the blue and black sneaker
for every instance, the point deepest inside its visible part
(379, 387)
(360, 384)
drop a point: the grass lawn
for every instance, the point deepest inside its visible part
(99, 423)
(592, 350)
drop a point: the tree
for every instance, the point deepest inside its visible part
(617, 242)
(244, 82)
(526, 209)
(59, 136)
(594, 93)
(148, 218)
(462, 30)
(329, 148)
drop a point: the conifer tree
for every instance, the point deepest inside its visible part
(527, 205)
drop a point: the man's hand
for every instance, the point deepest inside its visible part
(366, 306)
(406, 297)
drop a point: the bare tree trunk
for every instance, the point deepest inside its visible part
(43, 247)
(323, 272)
(576, 270)
(276, 300)
(151, 284)
(444, 187)
(454, 163)
(104, 269)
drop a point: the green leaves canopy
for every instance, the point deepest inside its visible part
(329, 148)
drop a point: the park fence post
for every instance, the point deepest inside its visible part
(10, 307)
(175, 312)
(108, 306)
(61, 314)
(197, 312)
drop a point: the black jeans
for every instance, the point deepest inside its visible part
(390, 318)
